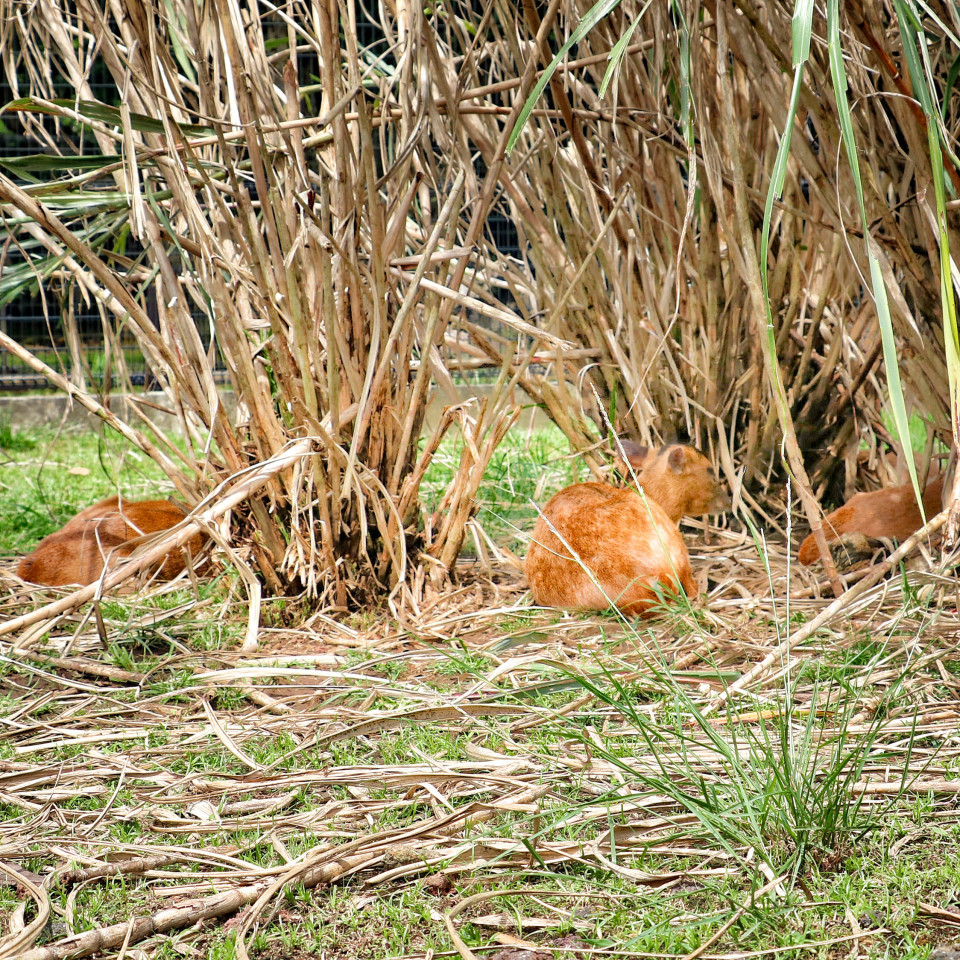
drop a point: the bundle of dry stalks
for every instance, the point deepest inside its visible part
(330, 236)
(318, 234)
(655, 284)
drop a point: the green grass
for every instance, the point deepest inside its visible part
(918, 432)
(49, 475)
(762, 791)
(526, 468)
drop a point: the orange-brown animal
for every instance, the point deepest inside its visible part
(103, 535)
(891, 513)
(630, 543)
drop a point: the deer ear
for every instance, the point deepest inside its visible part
(636, 453)
(677, 459)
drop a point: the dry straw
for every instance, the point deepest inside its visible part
(333, 237)
(533, 790)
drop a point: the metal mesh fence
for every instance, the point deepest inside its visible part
(37, 317)
(53, 320)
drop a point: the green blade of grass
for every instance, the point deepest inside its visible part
(921, 75)
(590, 19)
(103, 112)
(878, 286)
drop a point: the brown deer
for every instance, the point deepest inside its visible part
(625, 545)
(892, 513)
(102, 535)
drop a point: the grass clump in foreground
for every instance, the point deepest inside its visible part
(784, 782)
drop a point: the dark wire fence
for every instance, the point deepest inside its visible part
(54, 320)
(51, 318)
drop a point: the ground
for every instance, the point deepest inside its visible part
(483, 778)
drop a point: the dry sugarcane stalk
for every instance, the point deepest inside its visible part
(292, 224)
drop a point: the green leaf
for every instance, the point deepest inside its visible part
(802, 28)
(915, 50)
(590, 19)
(952, 75)
(54, 163)
(95, 110)
(686, 72)
(616, 56)
(888, 340)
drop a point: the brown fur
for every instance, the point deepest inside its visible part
(682, 481)
(892, 513)
(630, 543)
(98, 510)
(103, 535)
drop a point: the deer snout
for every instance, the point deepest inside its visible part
(721, 501)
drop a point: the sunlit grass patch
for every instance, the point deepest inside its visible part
(526, 469)
(49, 475)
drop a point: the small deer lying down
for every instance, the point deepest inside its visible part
(892, 513)
(630, 544)
(103, 535)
